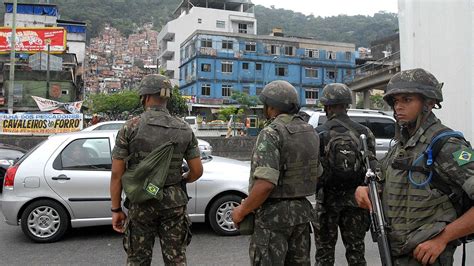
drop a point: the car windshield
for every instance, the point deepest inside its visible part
(111, 126)
(10, 154)
(190, 121)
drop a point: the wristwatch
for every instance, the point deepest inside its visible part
(119, 209)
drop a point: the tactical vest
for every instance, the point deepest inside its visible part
(415, 214)
(156, 128)
(299, 159)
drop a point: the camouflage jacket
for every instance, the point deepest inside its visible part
(418, 213)
(128, 135)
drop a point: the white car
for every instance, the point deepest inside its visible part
(46, 192)
(204, 146)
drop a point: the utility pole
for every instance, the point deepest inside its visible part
(47, 69)
(11, 80)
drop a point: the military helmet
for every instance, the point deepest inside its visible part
(281, 95)
(153, 84)
(415, 80)
(336, 93)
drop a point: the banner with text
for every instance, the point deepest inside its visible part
(48, 105)
(32, 40)
(40, 124)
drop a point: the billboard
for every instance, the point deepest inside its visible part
(33, 40)
(40, 124)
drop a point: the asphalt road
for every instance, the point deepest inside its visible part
(102, 246)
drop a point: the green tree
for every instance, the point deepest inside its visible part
(244, 99)
(177, 104)
(226, 112)
(115, 104)
(376, 101)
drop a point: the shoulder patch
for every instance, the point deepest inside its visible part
(262, 147)
(463, 156)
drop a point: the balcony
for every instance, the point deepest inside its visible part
(207, 51)
(167, 55)
(169, 37)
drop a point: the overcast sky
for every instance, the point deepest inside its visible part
(326, 8)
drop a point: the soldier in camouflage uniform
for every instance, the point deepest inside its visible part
(167, 218)
(335, 205)
(424, 221)
(284, 170)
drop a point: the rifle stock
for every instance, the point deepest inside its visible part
(378, 225)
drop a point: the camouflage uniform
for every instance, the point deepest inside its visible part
(282, 223)
(418, 213)
(167, 218)
(335, 205)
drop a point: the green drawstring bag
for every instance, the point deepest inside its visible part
(147, 179)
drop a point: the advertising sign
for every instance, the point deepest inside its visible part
(40, 124)
(48, 105)
(32, 40)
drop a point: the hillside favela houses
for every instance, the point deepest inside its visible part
(39, 29)
(215, 64)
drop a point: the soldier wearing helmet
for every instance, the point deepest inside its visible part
(165, 218)
(284, 171)
(343, 172)
(426, 193)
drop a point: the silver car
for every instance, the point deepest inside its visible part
(64, 182)
(380, 123)
(204, 146)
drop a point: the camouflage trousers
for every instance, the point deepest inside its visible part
(282, 233)
(145, 222)
(446, 258)
(353, 223)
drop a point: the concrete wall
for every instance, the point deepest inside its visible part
(239, 148)
(438, 36)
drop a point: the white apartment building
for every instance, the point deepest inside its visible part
(226, 16)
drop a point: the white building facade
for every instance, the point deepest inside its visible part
(225, 16)
(438, 36)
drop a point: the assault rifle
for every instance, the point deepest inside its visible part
(378, 225)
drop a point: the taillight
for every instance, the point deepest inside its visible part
(10, 177)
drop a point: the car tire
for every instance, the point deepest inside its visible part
(44, 221)
(220, 215)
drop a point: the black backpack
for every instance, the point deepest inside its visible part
(343, 159)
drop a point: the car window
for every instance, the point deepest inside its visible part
(115, 126)
(360, 120)
(322, 120)
(85, 154)
(190, 121)
(383, 128)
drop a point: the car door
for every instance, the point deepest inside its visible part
(79, 172)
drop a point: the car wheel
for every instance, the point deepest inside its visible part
(44, 221)
(220, 215)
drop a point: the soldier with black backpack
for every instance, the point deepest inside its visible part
(427, 177)
(344, 171)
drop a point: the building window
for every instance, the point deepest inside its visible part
(206, 43)
(289, 50)
(250, 47)
(220, 24)
(311, 94)
(245, 66)
(258, 90)
(348, 72)
(226, 90)
(281, 70)
(311, 72)
(274, 50)
(227, 45)
(331, 55)
(348, 56)
(226, 67)
(243, 28)
(258, 66)
(312, 53)
(199, 20)
(206, 89)
(246, 90)
(206, 67)
(331, 74)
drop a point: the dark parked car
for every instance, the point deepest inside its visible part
(8, 155)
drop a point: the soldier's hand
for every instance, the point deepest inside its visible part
(118, 221)
(362, 197)
(427, 252)
(237, 215)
